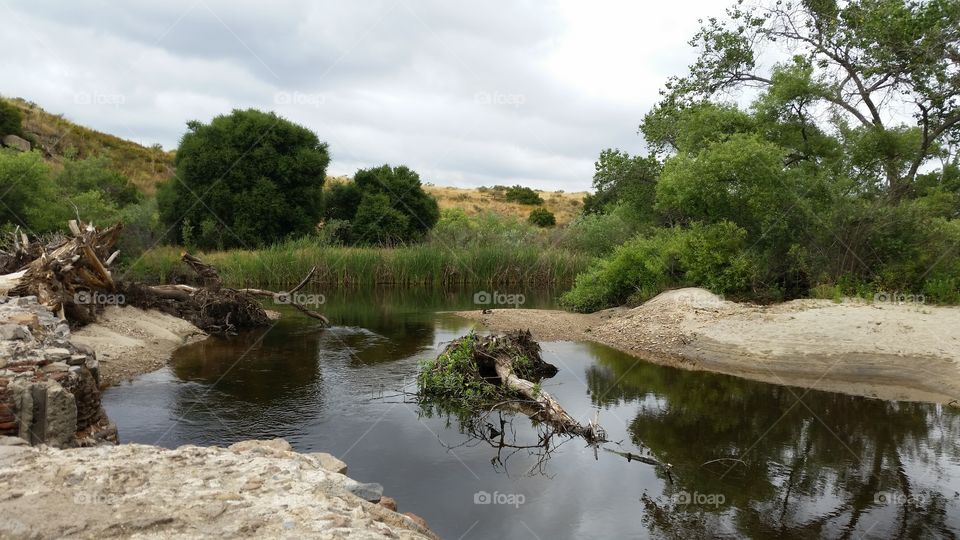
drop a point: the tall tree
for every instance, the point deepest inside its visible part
(245, 179)
(867, 60)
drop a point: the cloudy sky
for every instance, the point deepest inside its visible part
(467, 94)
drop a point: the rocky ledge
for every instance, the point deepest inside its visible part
(49, 386)
(251, 489)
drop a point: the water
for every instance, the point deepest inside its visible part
(749, 459)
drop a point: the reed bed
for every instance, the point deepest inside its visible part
(423, 264)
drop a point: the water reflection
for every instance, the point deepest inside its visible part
(787, 463)
(782, 460)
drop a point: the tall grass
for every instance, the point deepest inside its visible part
(424, 264)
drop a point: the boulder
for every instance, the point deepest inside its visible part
(371, 492)
(389, 503)
(330, 463)
(17, 143)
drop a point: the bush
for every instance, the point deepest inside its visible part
(10, 119)
(541, 217)
(27, 192)
(598, 234)
(713, 256)
(249, 178)
(522, 195)
(384, 205)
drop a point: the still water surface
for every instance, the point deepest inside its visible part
(749, 459)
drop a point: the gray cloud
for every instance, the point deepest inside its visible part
(467, 94)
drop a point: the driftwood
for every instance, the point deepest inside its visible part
(211, 279)
(513, 365)
(71, 277)
(65, 274)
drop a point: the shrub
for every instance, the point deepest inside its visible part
(407, 212)
(713, 256)
(541, 217)
(523, 195)
(245, 179)
(10, 119)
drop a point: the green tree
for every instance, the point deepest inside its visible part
(624, 179)
(384, 205)
(246, 179)
(862, 59)
(96, 174)
(541, 217)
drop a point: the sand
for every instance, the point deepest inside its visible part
(130, 341)
(890, 351)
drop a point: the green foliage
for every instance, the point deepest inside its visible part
(245, 179)
(27, 190)
(599, 234)
(385, 206)
(716, 256)
(624, 180)
(452, 378)
(522, 195)
(11, 119)
(541, 217)
(96, 174)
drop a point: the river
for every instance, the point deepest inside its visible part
(748, 459)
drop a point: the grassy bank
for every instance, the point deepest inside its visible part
(425, 264)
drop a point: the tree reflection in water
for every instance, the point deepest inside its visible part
(762, 460)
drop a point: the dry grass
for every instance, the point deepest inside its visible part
(58, 137)
(473, 201)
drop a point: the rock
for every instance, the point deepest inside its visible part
(389, 503)
(55, 366)
(417, 519)
(12, 441)
(17, 143)
(271, 446)
(26, 319)
(13, 331)
(57, 354)
(371, 492)
(330, 463)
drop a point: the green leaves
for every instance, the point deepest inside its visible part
(247, 179)
(385, 205)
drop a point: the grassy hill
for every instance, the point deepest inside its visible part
(58, 137)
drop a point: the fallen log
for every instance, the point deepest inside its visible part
(72, 277)
(480, 373)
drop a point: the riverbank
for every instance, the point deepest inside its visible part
(130, 341)
(890, 351)
(251, 489)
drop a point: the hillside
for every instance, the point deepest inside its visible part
(58, 137)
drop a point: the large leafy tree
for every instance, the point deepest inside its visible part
(871, 63)
(245, 179)
(622, 178)
(385, 205)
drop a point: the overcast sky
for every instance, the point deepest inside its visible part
(467, 94)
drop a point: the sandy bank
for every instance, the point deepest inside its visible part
(130, 341)
(890, 351)
(254, 489)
